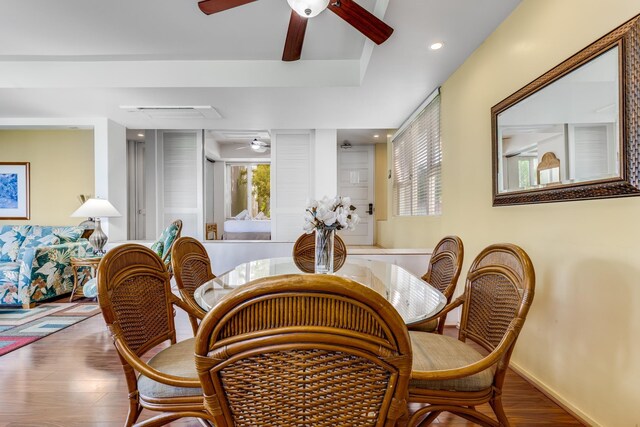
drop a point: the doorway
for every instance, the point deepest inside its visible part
(355, 179)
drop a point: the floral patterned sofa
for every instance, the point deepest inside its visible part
(35, 262)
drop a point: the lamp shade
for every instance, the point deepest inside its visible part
(308, 8)
(96, 208)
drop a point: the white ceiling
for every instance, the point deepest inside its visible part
(86, 58)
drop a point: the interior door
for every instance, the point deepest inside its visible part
(136, 193)
(355, 179)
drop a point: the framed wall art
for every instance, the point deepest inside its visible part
(14, 190)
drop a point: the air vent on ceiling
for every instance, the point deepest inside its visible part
(175, 111)
(240, 134)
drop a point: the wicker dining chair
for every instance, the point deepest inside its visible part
(451, 376)
(162, 246)
(304, 350)
(443, 273)
(192, 268)
(138, 307)
(304, 252)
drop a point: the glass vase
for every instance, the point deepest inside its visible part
(324, 251)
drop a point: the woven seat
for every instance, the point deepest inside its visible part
(448, 375)
(174, 360)
(192, 268)
(444, 269)
(304, 350)
(304, 253)
(138, 307)
(433, 352)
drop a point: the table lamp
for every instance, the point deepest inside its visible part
(97, 208)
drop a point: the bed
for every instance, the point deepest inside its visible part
(252, 229)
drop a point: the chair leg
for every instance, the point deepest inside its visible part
(496, 404)
(134, 412)
(416, 421)
(430, 418)
(167, 417)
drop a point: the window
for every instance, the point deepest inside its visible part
(417, 158)
(249, 188)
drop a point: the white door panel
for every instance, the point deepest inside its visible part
(355, 179)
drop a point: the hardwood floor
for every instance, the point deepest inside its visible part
(73, 379)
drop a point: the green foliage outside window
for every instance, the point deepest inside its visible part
(261, 180)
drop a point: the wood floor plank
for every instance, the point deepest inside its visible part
(73, 378)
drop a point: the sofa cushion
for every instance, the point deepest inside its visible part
(9, 272)
(66, 234)
(38, 237)
(179, 360)
(11, 237)
(433, 352)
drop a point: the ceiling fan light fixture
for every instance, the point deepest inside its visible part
(308, 8)
(258, 146)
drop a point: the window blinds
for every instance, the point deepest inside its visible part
(417, 159)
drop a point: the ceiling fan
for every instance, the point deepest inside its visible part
(257, 146)
(357, 16)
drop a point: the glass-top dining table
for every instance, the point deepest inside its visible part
(414, 299)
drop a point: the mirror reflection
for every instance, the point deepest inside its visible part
(567, 132)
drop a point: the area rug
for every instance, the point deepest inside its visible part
(19, 327)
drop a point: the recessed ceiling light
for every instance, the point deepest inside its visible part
(141, 135)
(376, 136)
(436, 46)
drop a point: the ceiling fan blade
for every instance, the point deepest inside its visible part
(362, 20)
(214, 6)
(295, 37)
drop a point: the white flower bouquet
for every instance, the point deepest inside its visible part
(330, 214)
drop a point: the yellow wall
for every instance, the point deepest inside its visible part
(581, 340)
(61, 169)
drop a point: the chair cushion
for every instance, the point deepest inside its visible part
(432, 352)
(430, 326)
(178, 359)
(158, 248)
(162, 246)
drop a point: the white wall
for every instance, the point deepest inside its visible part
(325, 163)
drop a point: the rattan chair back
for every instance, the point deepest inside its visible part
(134, 295)
(301, 349)
(498, 293)
(445, 265)
(191, 268)
(304, 252)
(443, 272)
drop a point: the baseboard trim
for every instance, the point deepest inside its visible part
(553, 395)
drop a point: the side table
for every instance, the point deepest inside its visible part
(77, 263)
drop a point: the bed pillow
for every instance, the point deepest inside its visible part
(243, 215)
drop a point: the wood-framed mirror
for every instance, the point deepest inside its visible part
(583, 116)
